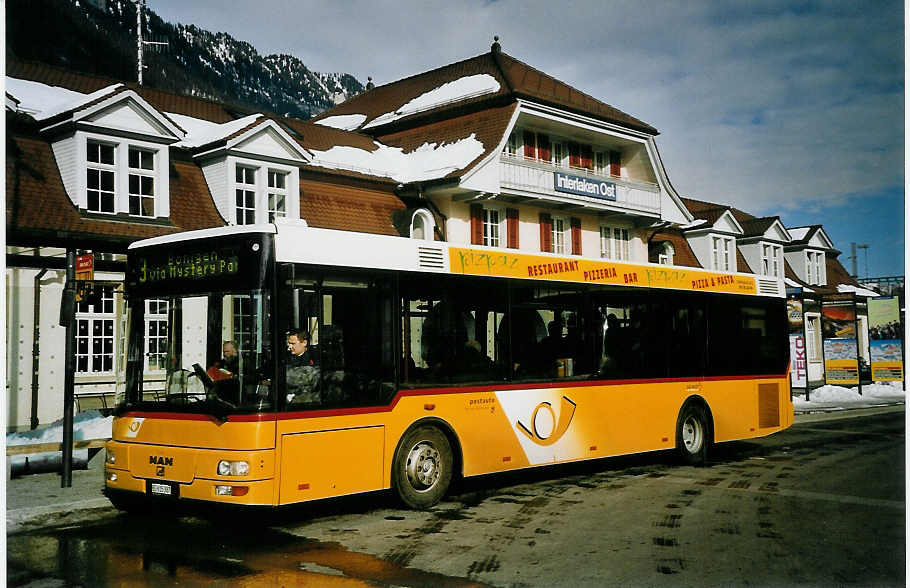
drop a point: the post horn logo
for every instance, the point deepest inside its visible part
(545, 428)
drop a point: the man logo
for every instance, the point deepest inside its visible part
(546, 429)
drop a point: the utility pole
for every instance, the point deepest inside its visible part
(68, 320)
(865, 249)
(853, 258)
(140, 7)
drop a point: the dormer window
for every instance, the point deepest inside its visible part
(142, 182)
(123, 178)
(101, 177)
(722, 254)
(815, 274)
(278, 194)
(422, 225)
(665, 257)
(771, 260)
(262, 192)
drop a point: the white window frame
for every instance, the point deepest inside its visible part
(770, 259)
(721, 252)
(559, 153)
(815, 269)
(513, 144)
(122, 172)
(155, 318)
(615, 243)
(665, 257)
(560, 235)
(245, 180)
(813, 337)
(142, 174)
(494, 226)
(102, 169)
(422, 219)
(275, 192)
(262, 191)
(90, 360)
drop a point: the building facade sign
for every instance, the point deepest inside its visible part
(581, 186)
(798, 366)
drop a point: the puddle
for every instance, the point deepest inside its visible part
(144, 552)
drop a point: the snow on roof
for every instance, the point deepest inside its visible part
(427, 162)
(695, 223)
(345, 122)
(798, 233)
(202, 132)
(793, 284)
(460, 89)
(857, 290)
(43, 101)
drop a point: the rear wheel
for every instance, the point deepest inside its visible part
(422, 467)
(693, 435)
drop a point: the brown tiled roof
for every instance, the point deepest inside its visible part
(37, 207)
(682, 252)
(741, 264)
(835, 273)
(322, 138)
(758, 226)
(488, 126)
(516, 80)
(700, 208)
(333, 203)
(807, 236)
(162, 100)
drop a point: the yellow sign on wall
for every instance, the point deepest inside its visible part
(539, 267)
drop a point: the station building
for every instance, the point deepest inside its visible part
(487, 151)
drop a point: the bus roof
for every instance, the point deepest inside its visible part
(297, 242)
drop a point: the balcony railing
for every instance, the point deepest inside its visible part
(533, 176)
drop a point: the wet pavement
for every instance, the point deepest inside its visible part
(791, 507)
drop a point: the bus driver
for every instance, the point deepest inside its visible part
(302, 373)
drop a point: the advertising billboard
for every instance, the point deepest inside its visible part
(885, 344)
(798, 368)
(839, 332)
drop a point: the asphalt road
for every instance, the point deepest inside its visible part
(820, 504)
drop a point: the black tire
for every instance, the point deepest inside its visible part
(693, 434)
(422, 468)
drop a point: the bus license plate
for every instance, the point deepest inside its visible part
(161, 489)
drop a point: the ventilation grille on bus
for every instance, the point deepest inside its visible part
(430, 258)
(768, 287)
(768, 406)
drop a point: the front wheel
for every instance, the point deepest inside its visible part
(693, 435)
(422, 467)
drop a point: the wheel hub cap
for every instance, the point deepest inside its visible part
(423, 466)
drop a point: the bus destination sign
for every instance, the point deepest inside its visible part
(189, 266)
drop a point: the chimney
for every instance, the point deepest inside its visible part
(496, 47)
(370, 85)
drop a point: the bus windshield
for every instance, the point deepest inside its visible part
(206, 352)
(199, 326)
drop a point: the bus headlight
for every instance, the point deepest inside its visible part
(110, 456)
(233, 468)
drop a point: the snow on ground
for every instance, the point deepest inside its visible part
(426, 162)
(345, 122)
(839, 396)
(460, 89)
(89, 424)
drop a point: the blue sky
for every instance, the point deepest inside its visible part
(793, 109)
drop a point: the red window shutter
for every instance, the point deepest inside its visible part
(530, 150)
(615, 162)
(477, 224)
(546, 232)
(587, 157)
(576, 235)
(574, 155)
(512, 228)
(543, 147)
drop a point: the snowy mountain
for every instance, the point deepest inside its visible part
(99, 37)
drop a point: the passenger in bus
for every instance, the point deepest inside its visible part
(612, 346)
(302, 372)
(227, 366)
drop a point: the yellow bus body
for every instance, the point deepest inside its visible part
(300, 456)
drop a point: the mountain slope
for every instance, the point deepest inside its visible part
(86, 38)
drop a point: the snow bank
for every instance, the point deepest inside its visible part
(428, 161)
(828, 395)
(345, 122)
(460, 89)
(89, 424)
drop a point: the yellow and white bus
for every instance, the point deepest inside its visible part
(426, 361)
